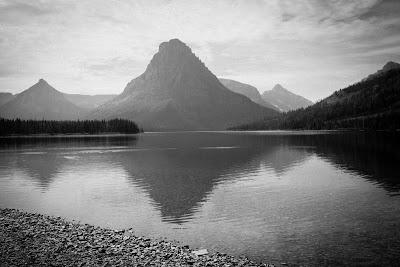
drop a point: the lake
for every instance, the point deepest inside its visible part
(303, 198)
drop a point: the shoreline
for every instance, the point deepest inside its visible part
(116, 134)
(40, 240)
(44, 135)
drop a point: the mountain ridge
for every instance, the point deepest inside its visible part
(41, 101)
(178, 92)
(372, 103)
(247, 90)
(390, 65)
(284, 99)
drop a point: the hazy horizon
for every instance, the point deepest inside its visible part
(310, 47)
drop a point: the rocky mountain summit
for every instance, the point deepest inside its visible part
(178, 92)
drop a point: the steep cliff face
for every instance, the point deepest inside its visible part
(178, 92)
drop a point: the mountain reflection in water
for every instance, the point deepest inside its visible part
(190, 183)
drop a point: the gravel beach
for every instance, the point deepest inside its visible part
(39, 240)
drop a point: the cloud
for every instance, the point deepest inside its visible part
(119, 66)
(103, 44)
(16, 12)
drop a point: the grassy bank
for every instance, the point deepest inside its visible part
(38, 240)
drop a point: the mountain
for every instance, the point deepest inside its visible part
(373, 103)
(285, 100)
(178, 92)
(88, 101)
(41, 101)
(5, 97)
(387, 67)
(247, 90)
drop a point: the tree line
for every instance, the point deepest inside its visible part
(26, 127)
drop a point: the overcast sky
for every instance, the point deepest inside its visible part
(312, 47)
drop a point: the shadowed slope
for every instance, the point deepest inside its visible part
(177, 91)
(247, 90)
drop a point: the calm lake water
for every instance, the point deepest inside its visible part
(303, 198)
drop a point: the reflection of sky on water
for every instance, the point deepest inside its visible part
(259, 192)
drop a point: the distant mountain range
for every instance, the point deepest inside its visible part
(88, 101)
(278, 98)
(285, 100)
(373, 103)
(42, 101)
(178, 92)
(247, 90)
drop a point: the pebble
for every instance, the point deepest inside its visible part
(200, 252)
(38, 240)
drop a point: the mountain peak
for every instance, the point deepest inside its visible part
(173, 44)
(41, 89)
(42, 82)
(391, 65)
(41, 85)
(173, 59)
(177, 91)
(279, 87)
(284, 99)
(40, 101)
(247, 90)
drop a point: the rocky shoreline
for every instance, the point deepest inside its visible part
(39, 240)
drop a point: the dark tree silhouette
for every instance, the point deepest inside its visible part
(17, 126)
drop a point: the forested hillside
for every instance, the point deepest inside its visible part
(373, 103)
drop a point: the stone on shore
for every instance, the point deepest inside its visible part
(37, 240)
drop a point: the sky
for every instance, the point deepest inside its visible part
(311, 47)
